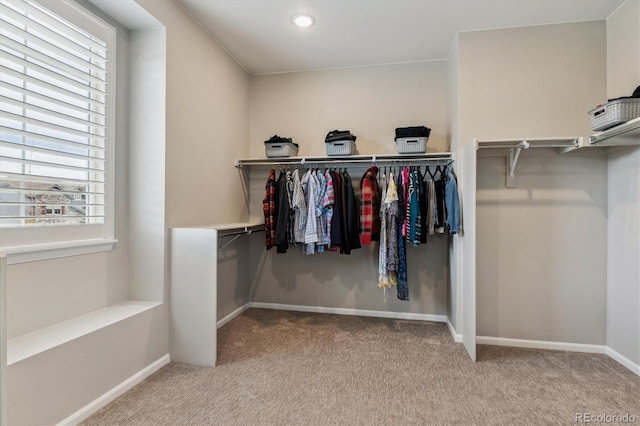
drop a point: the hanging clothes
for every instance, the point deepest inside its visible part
(369, 206)
(431, 196)
(300, 208)
(310, 189)
(351, 208)
(383, 272)
(337, 220)
(282, 214)
(439, 201)
(391, 207)
(403, 191)
(291, 228)
(321, 217)
(414, 209)
(328, 202)
(402, 286)
(422, 201)
(269, 210)
(452, 201)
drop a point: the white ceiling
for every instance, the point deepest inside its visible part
(347, 33)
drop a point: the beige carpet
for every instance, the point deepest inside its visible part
(287, 368)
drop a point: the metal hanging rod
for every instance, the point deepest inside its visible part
(352, 159)
(238, 232)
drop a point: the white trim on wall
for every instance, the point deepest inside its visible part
(232, 315)
(623, 360)
(456, 337)
(91, 408)
(350, 311)
(541, 344)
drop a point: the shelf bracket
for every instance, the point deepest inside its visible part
(512, 160)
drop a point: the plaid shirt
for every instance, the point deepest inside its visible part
(323, 237)
(300, 208)
(311, 230)
(269, 210)
(328, 202)
(369, 206)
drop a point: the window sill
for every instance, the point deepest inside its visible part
(33, 253)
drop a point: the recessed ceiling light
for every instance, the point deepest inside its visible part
(302, 20)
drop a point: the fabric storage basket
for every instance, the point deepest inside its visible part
(281, 149)
(411, 145)
(341, 147)
(614, 112)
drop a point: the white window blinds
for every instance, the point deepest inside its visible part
(54, 120)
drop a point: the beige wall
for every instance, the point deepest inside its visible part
(541, 247)
(207, 129)
(207, 116)
(370, 102)
(623, 50)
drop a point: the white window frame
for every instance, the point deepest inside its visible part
(25, 244)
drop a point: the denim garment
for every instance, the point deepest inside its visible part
(452, 202)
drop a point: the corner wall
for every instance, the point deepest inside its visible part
(207, 129)
(623, 179)
(454, 304)
(541, 247)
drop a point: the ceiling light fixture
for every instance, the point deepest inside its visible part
(302, 20)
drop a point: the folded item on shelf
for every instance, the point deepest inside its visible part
(635, 94)
(339, 135)
(279, 139)
(413, 132)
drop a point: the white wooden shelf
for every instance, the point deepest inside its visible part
(346, 159)
(30, 344)
(627, 134)
(515, 147)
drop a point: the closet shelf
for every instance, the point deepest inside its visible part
(516, 146)
(350, 159)
(627, 134)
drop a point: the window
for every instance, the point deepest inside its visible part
(56, 124)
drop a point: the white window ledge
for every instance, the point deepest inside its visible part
(32, 253)
(25, 346)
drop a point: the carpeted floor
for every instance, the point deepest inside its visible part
(288, 368)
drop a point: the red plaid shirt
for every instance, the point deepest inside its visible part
(269, 209)
(370, 207)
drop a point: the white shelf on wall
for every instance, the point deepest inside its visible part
(347, 159)
(627, 134)
(25, 346)
(515, 147)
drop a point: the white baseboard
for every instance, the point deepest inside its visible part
(456, 337)
(349, 311)
(233, 314)
(114, 393)
(541, 344)
(623, 360)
